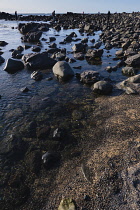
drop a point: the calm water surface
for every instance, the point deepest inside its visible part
(51, 99)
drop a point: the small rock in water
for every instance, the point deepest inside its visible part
(57, 134)
(36, 75)
(50, 159)
(24, 89)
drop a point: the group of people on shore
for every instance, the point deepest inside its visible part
(53, 15)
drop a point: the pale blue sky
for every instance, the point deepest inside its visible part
(63, 6)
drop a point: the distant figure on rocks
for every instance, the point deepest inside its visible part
(53, 14)
(16, 16)
(108, 17)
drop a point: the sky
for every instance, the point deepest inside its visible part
(63, 6)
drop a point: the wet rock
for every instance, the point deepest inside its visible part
(32, 37)
(79, 47)
(13, 65)
(24, 89)
(128, 71)
(59, 56)
(25, 28)
(27, 46)
(50, 159)
(57, 27)
(13, 147)
(20, 48)
(84, 40)
(53, 45)
(108, 69)
(36, 49)
(108, 46)
(38, 61)
(88, 27)
(36, 75)
(71, 60)
(3, 43)
(73, 34)
(89, 77)
(119, 53)
(91, 54)
(51, 39)
(134, 79)
(2, 60)
(63, 70)
(126, 45)
(133, 60)
(53, 50)
(67, 204)
(68, 39)
(102, 87)
(17, 54)
(97, 45)
(79, 56)
(92, 40)
(43, 133)
(130, 91)
(29, 130)
(33, 160)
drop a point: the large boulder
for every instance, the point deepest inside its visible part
(63, 70)
(38, 61)
(133, 60)
(89, 77)
(32, 37)
(13, 65)
(102, 87)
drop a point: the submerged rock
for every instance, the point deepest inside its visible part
(36, 75)
(50, 159)
(91, 54)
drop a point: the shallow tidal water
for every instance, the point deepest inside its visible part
(52, 101)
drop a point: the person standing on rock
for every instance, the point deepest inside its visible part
(16, 16)
(108, 18)
(53, 15)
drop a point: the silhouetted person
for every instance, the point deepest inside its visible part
(16, 16)
(108, 17)
(53, 14)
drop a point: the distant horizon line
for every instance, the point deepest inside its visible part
(44, 13)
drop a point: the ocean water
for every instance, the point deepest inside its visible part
(16, 107)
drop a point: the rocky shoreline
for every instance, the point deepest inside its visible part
(90, 157)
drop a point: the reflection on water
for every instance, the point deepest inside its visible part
(52, 100)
